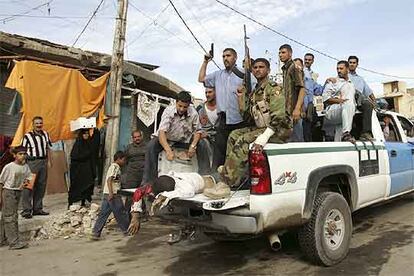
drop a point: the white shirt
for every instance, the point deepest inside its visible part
(343, 89)
(114, 172)
(13, 175)
(212, 115)
(187, 185)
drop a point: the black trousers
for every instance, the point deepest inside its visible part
(220, 147)
(366, 109)
(307, 130)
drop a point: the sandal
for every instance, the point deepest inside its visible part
(347, 137)
(366, 136)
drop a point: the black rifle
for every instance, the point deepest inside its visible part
(247, 65)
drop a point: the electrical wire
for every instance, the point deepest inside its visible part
(58, 16)
(303, 44)
(13, 16)
(87, 23)
(164, 28)
(198, 20)
(153, 22)
(188, 28)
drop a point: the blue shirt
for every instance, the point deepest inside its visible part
(226, 84)
(312, 88)
(360, 84)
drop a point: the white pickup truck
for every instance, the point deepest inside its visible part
(311, 187)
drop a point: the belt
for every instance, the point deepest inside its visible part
(30, 158)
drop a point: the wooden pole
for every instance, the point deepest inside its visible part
(112, 130)
(134, 99)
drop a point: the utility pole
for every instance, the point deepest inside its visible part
(112, 128)
(134, 99)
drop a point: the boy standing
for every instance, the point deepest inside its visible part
(112, 202)
(14, 177)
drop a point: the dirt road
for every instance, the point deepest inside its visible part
(382, 244)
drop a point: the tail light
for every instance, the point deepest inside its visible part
(259, 173)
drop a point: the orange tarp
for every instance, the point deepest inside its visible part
(57, 94)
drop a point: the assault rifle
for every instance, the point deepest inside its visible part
(247, 65)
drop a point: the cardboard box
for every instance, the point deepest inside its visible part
(82, 122)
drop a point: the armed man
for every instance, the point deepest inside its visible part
(265, 109)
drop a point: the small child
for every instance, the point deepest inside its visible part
(14, 177)
(112, 202)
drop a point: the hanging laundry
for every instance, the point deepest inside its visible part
(147, 109)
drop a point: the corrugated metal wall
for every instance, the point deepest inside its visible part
(8, 123)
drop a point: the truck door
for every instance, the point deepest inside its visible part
(401, 162)
(408, 128)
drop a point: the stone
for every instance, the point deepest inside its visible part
(87, 222)
(42, 233)
(57, 227)
(75, 221)
(66, 231)
(82, 210)
(63, 220)
(95, 208)
(74, 207)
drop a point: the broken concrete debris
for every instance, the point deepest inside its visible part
(76, 222)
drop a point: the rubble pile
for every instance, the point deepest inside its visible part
(75, 222)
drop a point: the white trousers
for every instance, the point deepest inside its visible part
(341, 114)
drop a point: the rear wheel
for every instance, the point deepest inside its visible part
(326, 237)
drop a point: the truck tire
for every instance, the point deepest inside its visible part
(326, 237)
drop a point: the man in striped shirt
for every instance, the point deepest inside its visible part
(38, 144)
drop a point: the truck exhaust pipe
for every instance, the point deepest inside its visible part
(275, 243)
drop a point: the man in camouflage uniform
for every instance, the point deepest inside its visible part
(294, 91)
(266, 109)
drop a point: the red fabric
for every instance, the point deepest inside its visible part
(141, 192)
(5, 143)
(6, 157)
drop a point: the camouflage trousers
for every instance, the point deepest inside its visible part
(237, 154)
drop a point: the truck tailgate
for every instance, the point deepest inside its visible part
(236, 199)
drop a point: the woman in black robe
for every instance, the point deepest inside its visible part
(83, 166)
